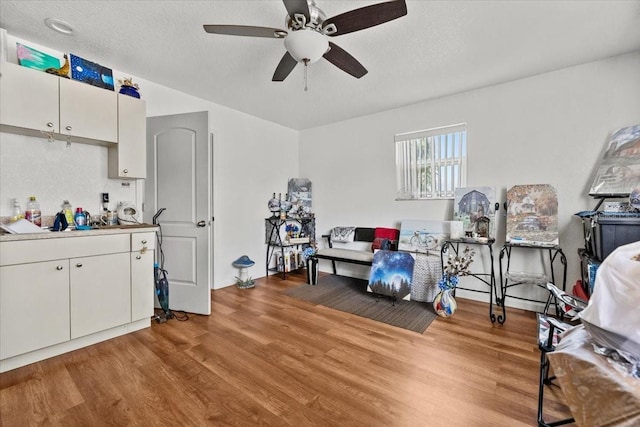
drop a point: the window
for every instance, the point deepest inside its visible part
(431, 163)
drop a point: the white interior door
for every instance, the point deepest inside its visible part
(179, 179)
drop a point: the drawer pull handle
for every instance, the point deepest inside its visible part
(138, 257)
(59, 268)
(79, 265)
(125, 170)
(50, 124)
(144, 242)
(68, 128)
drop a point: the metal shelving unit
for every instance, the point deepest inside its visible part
(275, 243)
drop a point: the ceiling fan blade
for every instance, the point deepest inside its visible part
(245, 30)
(297, 6)
(286, 65)
(343, 60)
(365, 17)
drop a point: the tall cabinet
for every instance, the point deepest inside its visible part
(128, 159)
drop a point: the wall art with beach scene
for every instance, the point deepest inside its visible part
(423, 236)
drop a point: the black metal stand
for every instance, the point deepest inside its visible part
(545, 379)
(275, 244)
(488, 279)
(554, 253)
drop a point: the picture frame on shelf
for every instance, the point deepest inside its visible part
(532, 215)
(33, 58)
(476, 208)
(91, 73)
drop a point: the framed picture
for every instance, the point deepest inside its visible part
(299, 190)
(474, 206)
(619, 169)
(33, 58)
(532, 215)
(91, 73)
(391, 274)
(423, 236)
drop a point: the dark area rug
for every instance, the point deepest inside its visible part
(350, 295)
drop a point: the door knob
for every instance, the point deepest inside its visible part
(201, 223)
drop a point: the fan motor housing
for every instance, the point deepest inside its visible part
(316, 18)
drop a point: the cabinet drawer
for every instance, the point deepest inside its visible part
(143, 240)
(28, 251)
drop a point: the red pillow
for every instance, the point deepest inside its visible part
(386, 233)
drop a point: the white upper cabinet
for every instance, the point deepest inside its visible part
(88, 112)
(29, 98)
(129, 158)
(33, 101)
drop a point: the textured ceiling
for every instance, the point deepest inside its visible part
(439, 48)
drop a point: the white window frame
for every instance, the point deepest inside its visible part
(431, 163)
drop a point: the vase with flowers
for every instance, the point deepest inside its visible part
(444, 303)
(309, 256)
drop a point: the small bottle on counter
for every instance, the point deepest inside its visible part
(33, 212)
(80, 218)
(68, 211)
(16, 212)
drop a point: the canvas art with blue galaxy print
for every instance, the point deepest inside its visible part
(391, 274)
(91, 73)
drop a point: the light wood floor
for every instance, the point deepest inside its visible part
(263, 358)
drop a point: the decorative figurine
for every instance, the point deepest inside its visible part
(244, 281)
(274, 205)
(127, 87)
(62, 71)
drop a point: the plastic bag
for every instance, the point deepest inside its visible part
(612, 316)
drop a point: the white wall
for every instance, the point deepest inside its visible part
(252, 159)
(547, 129)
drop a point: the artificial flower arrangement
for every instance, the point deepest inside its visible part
(458, 265)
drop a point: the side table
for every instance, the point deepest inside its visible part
(488, 279)
(511, 279)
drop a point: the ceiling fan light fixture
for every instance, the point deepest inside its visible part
(306, 45)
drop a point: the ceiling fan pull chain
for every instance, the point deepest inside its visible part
(306, 62)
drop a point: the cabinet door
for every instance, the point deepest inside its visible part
(34, 306)
(128, 159)
(142, 285)
(88, 112)
(100, 293)
(29, 98)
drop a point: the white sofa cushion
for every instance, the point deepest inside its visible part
(365, 256)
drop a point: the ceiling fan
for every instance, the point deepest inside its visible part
(308, 29)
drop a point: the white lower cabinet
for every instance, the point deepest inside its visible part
(34, 306)
(101, 287)
(100, 293)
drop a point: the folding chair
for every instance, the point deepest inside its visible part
(549, 330)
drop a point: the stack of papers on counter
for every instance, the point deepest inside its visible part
(21, 226)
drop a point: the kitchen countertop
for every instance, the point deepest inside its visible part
(103, 230)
